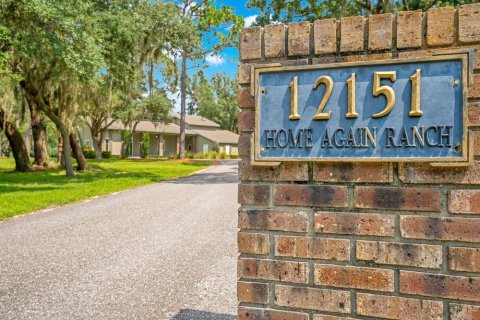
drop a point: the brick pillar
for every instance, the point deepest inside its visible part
(359, 241)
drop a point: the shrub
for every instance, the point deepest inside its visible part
(106, 154)
(88, 153)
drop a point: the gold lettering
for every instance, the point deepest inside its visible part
(415, 108)
(385, 90)
(351, 82)
(328, 82)
(294, 99)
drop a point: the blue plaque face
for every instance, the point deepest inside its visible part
(400, 110)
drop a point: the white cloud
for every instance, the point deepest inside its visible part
(250, 20)
(214, 59)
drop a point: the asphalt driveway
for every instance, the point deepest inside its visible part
(163, 251)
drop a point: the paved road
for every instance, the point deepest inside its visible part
(164, 251)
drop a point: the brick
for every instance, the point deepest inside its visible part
(474, 89)
(252, 292)
(402, 254)
(244, 145)
(418, 199)
(325, 36)
(464, 201)
(253, 243)
(245, 98)
(473, 110)
(254, 194)
(440, 228)
(296, 272)
(464, 312)
(324, 317)
(313, 299)
(274, 220)
(289, 171)
(464, 259)
(388, 307)
(245, 313)
(354, 277)
(246, 121)
(424, 173)
(468, 26)
(360, 224)
(380, 31)
(251, 43)
(352, 172)
(409, 29)
(299, 39)
(244, 73)
(352, 34)
(310, 195)
(312, 248)
(275, 41)
(353, 58)
(438, 285)
(440, 26)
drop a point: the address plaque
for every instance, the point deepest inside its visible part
(404, 110)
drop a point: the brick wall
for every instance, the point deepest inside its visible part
(359, 241)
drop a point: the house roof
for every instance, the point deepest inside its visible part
(198, 121)
(220, 136)
(150, 126)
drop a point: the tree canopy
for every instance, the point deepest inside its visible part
(90, 58)
(215, 99)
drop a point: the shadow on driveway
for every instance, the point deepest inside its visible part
(190, 314)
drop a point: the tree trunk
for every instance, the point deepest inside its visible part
(66, 154)
(183, 104)
(77, 152)
(17, 144)
(39, 130)
(97, 148)
(47, 108)
(97, 139)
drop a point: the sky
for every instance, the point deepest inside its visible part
(226, 61)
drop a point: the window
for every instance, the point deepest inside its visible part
(107, 144)
(189, 147)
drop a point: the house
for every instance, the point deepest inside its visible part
(201, 136)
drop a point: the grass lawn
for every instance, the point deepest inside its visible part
(31, 191)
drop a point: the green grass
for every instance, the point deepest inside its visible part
(31, 191)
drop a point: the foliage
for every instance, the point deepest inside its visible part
(106, 154)
(94, 59)
(88, 153)
(208, 18)
(285, 11)
(215, 99)
(27, 192)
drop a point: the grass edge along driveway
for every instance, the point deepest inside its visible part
(32, 191)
